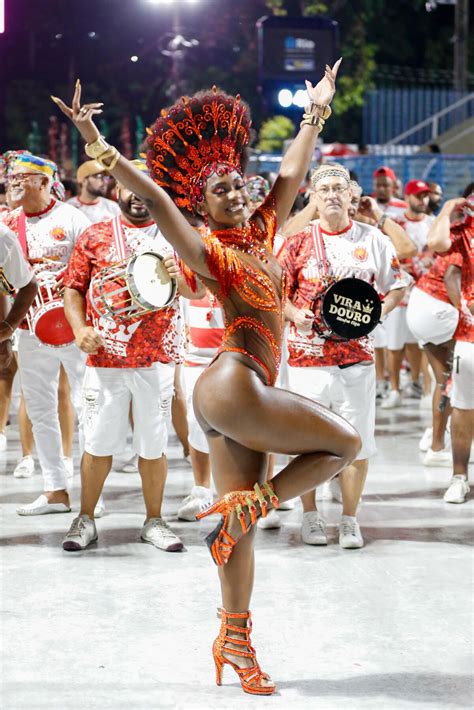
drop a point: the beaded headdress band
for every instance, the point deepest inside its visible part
(194, 138)
(354, 185)
(323, 172)
(18, 161)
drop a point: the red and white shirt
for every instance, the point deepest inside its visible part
(48, 237)
(394, 208)
(205, 329)
(433, 281)
(97, 211)
(462, 237)
(360, 251)
(140, 341)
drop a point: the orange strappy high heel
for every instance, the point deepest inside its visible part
(250, 678)
(220, 542)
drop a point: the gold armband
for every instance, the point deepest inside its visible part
(112, 155)
(97, 148)
(310, 119)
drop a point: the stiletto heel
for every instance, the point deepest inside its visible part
(250, 678)
(219, 541)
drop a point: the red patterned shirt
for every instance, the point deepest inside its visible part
(360, 251)
(462, 237)
(140, 341)
(433, 281)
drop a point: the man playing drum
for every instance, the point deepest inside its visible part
(131, 363)
(47, 231)
(337, 373)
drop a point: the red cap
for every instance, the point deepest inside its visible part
(385, 171)
(416, 187)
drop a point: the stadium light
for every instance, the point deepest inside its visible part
(285, 98)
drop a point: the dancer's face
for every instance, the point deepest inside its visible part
(226, 201)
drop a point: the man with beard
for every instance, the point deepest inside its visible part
(435, 198)
(92, 179)
(131, 364)
(47, 230)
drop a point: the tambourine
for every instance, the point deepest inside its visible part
(350, 309)
(132, 288)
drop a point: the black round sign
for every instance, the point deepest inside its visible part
(351, 308)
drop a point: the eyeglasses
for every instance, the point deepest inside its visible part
(336, 189)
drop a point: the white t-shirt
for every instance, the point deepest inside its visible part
(418, 230)
(395, 208)
(96, 211)
(50, 235)
(15, 271)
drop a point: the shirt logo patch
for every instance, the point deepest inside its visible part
(360, 254)
(395, 264)
(58, 234)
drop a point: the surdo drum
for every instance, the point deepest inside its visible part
(350, 309)
(46, 317)
(132, 288)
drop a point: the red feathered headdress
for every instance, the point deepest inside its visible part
(199, 135)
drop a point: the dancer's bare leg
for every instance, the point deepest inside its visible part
(66, 413)
(438, 357)
(179, 416)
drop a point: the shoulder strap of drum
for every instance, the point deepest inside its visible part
(119, 238)
(319, 249)
(22, 233)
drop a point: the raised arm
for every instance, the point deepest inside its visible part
(404, 246)
(297, 159)
(439, 238)
(172, 224)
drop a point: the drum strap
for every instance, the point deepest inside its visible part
(119, 238)
(319, 249)
(22, 233)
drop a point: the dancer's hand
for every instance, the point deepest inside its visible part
(323, 93)
(81, 116)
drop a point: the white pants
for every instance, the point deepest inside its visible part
(39, 374)
(397, 330)
(108, 394)
(196, 436)
(462, 394)
(350, 392)
(429, 319)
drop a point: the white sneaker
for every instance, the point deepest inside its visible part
(414, 390)
(131, 466)
(457, 491)
(199, 498)
(157, 533)
(425, 441)
(350, 537)
(271, 522)
(313, 529)
(393, 399)
(99, 509)
(287, 504)
(25, 467)
(438, 458)
(41, 506)
(81, 534)
(380, 389)
(3, 441)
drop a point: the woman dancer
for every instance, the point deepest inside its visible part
(195, 153)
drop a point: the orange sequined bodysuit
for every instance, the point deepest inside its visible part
(251, 287)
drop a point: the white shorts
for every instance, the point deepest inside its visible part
(350, 392)
(462, 393)
(380, 336)
(196, 437)
(398, 332)
(429, 319)
(108, 393)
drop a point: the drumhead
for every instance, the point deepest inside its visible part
(51, 326)
(351, 308)
(149, 282)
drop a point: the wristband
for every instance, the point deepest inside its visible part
(97, 148)
(381, 222)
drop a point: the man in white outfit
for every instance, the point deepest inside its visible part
(47, 231)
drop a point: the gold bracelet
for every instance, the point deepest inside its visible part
(312, 120)
(97, 148)
(112, 154)
(322, 110)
